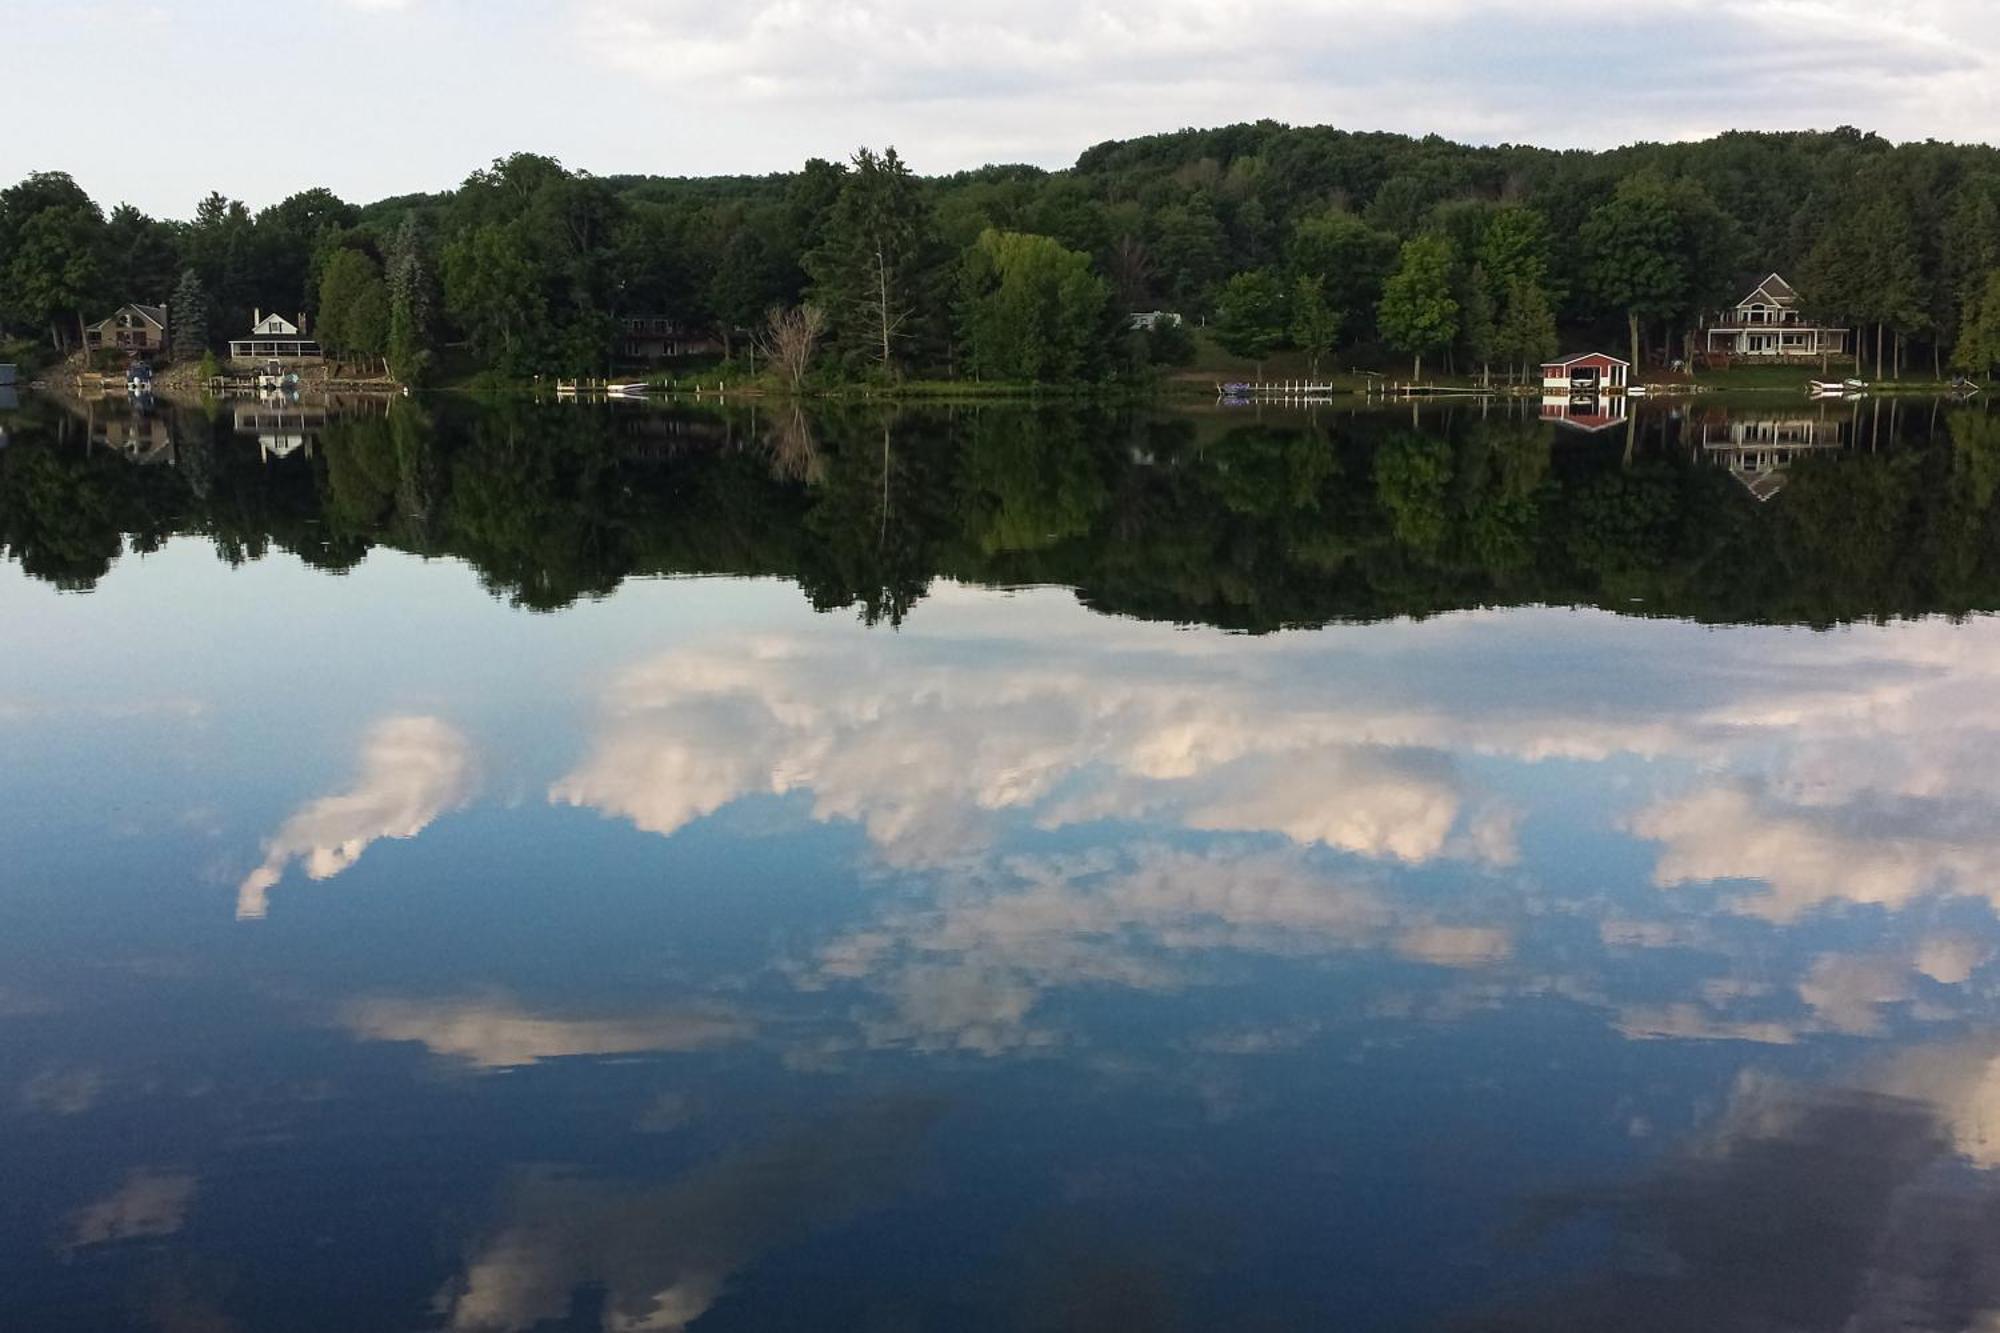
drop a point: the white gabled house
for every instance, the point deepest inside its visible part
(274, 338)
(1768, 325)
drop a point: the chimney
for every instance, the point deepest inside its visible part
(256, 318)
(302, 323)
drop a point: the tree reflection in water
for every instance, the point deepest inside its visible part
(1728, 515)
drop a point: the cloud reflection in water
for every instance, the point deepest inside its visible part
(412, 770)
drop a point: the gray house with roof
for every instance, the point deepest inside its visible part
(1767, 325)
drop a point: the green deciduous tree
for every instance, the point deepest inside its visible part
(490, 288)
(1526, 334)
(1645, 248)
(354, 307)
(1250, 316)
(1315, 322)
(1351, 259)
(1978, 347)
(1418, 314)
(1478, 331)
(1517, 247)
(1029, 309)
(51, 256)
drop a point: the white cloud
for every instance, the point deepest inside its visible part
(151, 1203)
(761, 85)
(495, 1033)
(1961, 1081)
(923, 748)
(662, 1254)
(63, 1091)
(1020, 85)
(1806, 856)
(970, 971)
(1693, 1022)
(412, 770)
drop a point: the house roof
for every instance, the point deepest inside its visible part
(154, 314)
(1773, 289)
(1588, 422)
(1575, 357)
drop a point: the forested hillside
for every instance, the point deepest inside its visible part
(1344, 245)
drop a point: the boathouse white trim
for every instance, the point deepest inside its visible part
(1589, 413)
(1586, 372)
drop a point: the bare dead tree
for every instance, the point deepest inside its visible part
(1132, 271)
(790, 338)
(884, 311)
(793, 451)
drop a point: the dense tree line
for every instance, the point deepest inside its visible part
(1246, 525)
(1336, 244)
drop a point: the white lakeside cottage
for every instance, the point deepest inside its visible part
(274, 338)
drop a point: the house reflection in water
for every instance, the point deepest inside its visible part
(282, 427)
(1758, 447)
(136, 436)
(1587, 412)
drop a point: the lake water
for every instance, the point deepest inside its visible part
(545, 867)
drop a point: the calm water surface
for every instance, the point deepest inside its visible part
(536, 869)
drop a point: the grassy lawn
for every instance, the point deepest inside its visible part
(1793, 379)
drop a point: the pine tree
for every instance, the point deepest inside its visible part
(188, 318)
(873, 266)
(412, 303)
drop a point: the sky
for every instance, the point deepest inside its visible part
(381, 97)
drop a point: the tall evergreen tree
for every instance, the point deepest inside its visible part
(187, 318)
(872, 269)
(412, 293)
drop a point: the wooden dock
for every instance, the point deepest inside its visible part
(1277, 390)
